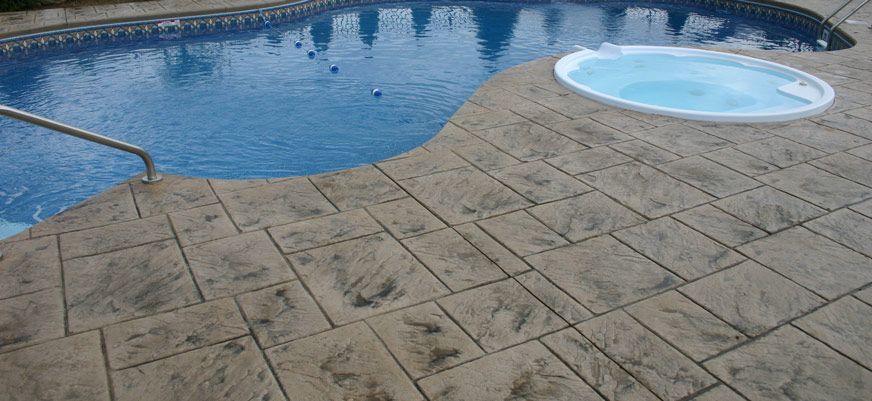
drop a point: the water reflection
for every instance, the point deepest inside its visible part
(495, 30)
(189, 61)
(368, 26)
(420, 19)
(322, 33)
(675, 21)
(552, 23)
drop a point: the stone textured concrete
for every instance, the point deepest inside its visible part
(424, 339)
(541, 246)
(526, 372)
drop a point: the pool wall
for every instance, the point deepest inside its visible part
(802, 20)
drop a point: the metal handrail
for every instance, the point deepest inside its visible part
(826, 33)
(824, 21)
(845, 18)
(151, 176)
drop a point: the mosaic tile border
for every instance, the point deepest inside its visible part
(258, 18)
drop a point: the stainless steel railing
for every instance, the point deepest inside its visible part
(826, 33)
(151, 176)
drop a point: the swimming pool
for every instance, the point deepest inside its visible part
(250, 104)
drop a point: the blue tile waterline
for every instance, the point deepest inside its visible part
(252, 105)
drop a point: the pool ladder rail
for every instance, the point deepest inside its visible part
(827, 33)
(151, 176)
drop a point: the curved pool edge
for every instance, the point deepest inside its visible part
(862, 50)
(465, 137)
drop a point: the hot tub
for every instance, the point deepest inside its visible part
(693, 84)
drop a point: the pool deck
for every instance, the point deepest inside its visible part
(541, 247)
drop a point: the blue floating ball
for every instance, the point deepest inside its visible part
(377, 92)
(267, 24)
(311, 53)
(298, 44)
(334, 68)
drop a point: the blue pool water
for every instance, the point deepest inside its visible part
(693, 83)
(250, 104)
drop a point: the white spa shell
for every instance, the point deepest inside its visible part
(808, 87)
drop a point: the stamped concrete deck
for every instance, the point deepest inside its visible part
(540, 247)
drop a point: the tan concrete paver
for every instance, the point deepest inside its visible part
(586, 216)
(112, 206)
(424, 164)
(779, 151)
(424, 339)
(721, 226)
(275, 204)
(501, 314)
(202, 224)
(504, 258)
(237, 264)
(363, 186)
(117, 236)
(528, 371)
(653, 362)
(648, 191)
(709, 176)
(817, 186)
(539, 182)
(719, 393)
(590, 132)
(620, 121)
(359, 278)
(678, 248)
(171, 194)
(30, 319)
(521, 233)
(233, 370)
(769, 209)
(741, 162)
(527, 141)
(347, 363)
(645, 152)
(120, 285)
(405, 218)
(553, 297)
(843, 325)
(736, 133)
(603, 274)
(682, 140)
(812, 261)
(28, 266)
(447, 195)
(282, 313)
(685, 324)
(844, 165)
(751, 297)
(819, 137)
(606, 376)
(847, 228)
(789, 365)
(69, 368)
(150, 338)
(588, 160)
(325, 230)
(454, 260)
